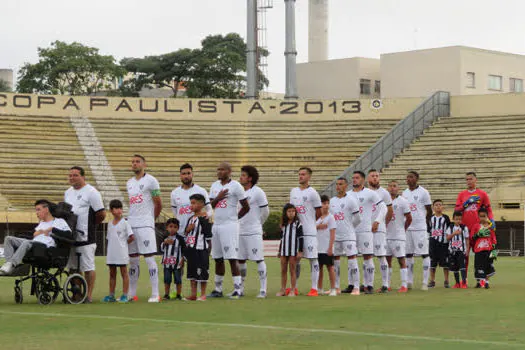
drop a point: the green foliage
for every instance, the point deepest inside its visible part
(72, 69)
(271, 226)
(4, 86)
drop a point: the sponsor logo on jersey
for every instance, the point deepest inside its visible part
(415, 198)
(339, 216)
(185, 210)
(222, 204)
(437, 233)
(305, 198)
(141, 187)
(483, 244)
(301, 209)
(136, 199)
(456, 244)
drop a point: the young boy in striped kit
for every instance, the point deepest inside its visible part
(438, 244)
(172, 259)
(458, 238)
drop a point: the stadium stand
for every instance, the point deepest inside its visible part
(277, 148)
(492, 146)
(36, 154)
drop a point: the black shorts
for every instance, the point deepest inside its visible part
(438, 254)
(198, 265)
(483, 265)
(456, 261)
(172, 271)
(116, 265)
(325, 259)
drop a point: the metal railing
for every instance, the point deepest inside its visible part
(399, 137)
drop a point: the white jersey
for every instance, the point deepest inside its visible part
(226, 211)
(85, 201)
(181, 204)
(323, 236)
(306, 201)
(387, 199)
(250, 223)
(59, 224)
(343, 209)
(141, 208)
(417, 200)
(368, 201)
(396, 227)
(118, 234)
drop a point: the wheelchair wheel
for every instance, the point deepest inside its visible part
(75, 289)
(19, 297)
(47, 289)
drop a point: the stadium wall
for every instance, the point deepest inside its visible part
(487, 105)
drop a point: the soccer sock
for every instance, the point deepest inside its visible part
(463, 275)
(371, 272)
(365, 274)
(337, 270)
(314, 266)
(353, 273)
(426, 270)
(410, 270)
(456, 276)
(153, 275)
(244, 270)
(384, 270)
(403, 273)
(218, 283)
(134, 272)
(237, 284)
(390, 277)
(261, 269)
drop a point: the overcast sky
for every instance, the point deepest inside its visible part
(133, 28)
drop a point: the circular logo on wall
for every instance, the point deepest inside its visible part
(376, 104)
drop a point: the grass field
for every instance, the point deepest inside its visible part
(439, 318)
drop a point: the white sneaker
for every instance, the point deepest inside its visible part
(7, 268)
(424, 287)
(261, 295)
(333, 293)
(154, 300)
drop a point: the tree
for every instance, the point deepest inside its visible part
(72, 69)
(4, 86)
(216, 70)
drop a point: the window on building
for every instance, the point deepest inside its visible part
(471, 79)
(516, 85)
(377, 87)
(365, 86)
(495, 82)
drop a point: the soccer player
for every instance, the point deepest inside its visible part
(469, 202)
(380, 235)
(172, 259)
(145, 206)
(308, 204)
(417, 234)
(438, 245)
(88, 206)
(369, 202)
(225, 195)
(251, 230)
(325, 239)
(180, 197)
(119, 236)
(396, 234)
(345, 210)
(458, 237)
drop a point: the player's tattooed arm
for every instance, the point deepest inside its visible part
(245, 207)
(157, 203)
(220, 196)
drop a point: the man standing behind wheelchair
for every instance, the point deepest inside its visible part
(89, 208)
(16, 248)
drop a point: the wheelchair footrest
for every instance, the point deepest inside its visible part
(19, 271)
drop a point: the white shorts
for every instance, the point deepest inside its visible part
(225, 241)
(417, 242)
(310, 247)
(345, 248)
(380, 244)
(396, 248)
(365, 243)
(87, 258)
(145, 242)
(251, 247)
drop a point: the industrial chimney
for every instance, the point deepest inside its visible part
(318, 30)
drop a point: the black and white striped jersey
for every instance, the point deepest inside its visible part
(458, 243)
(198, 238)
(172, 253)
(438, 228)
(291, 239)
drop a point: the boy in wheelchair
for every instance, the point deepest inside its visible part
(15, 249)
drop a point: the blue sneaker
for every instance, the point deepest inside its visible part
(123, 299)
(109, 299)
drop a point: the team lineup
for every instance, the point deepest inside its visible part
(371, 221)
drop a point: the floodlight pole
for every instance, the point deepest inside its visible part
(251, 50)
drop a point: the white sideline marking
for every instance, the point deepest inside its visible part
(276, 328)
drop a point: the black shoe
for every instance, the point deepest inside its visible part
(383, 289)
(235, 296)
(178, 297)
(215, 294)
(348, 289)
(446, 284)
(369, 290)
(166, 297)
(431, 284)
(478, 285)
(487, 285)
(362, 288)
